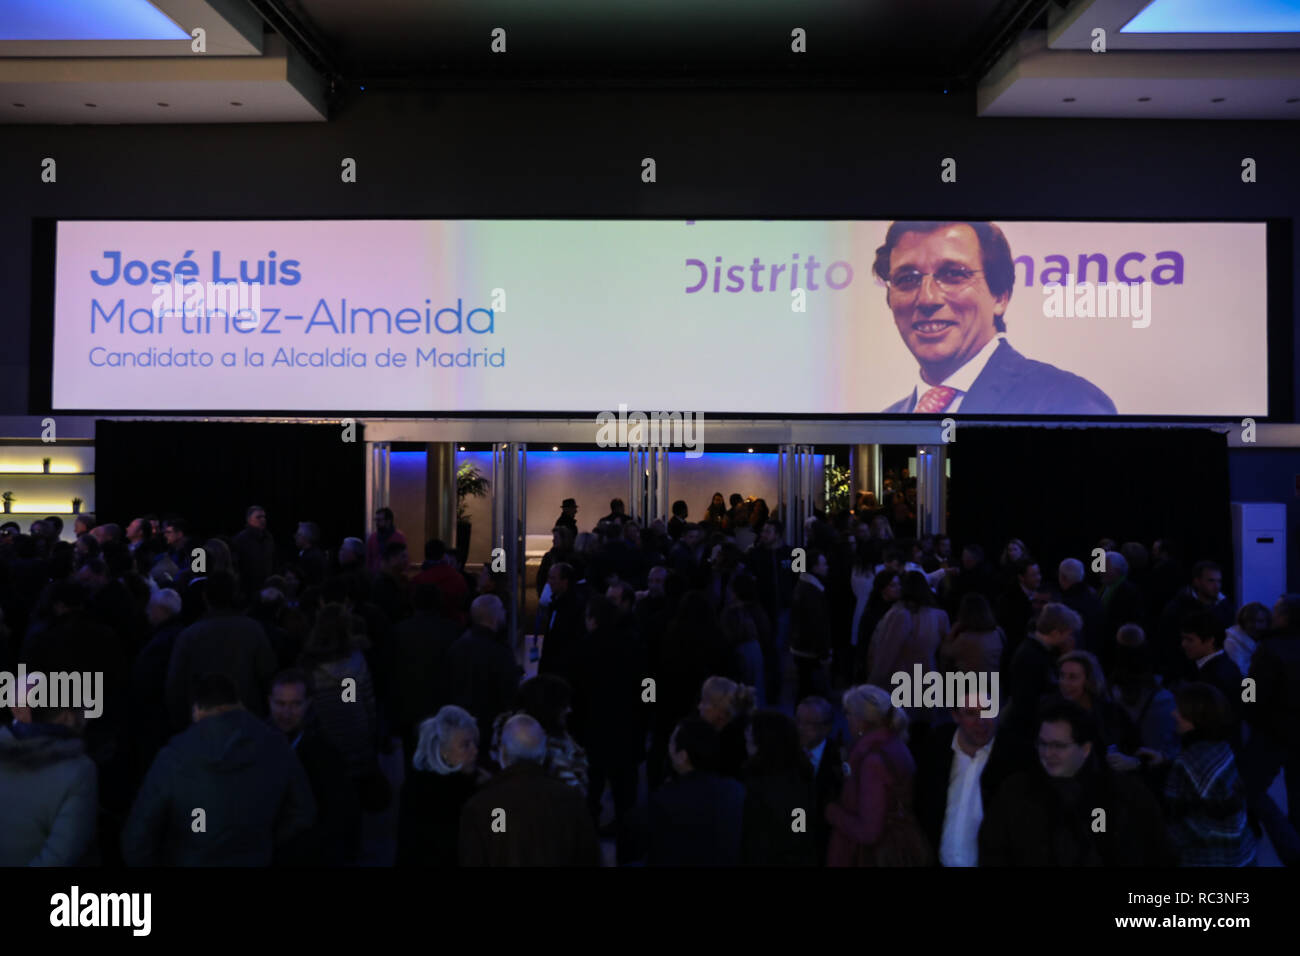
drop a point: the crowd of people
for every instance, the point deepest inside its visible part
(731, 695)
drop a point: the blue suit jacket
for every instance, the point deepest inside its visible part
(1014, 385)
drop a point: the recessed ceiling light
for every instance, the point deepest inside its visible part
(462, 447)
(1144, 99)
(751, 451)
(1216, 99)
(236, 103)
(555, 448)
(1068, 99)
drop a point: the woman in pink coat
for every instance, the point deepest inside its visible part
(877, 779)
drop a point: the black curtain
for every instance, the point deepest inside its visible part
(1061, 489)
(210, 472)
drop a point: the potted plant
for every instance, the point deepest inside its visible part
(8, 498)
(837, 489)
(470, 483)
(76, 506)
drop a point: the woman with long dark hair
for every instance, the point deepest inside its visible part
(975, 643)
(910, 633)
(715, 515)
(343, 693)
(886, 590)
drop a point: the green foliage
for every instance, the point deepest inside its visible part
(470, 483)
(837, 489)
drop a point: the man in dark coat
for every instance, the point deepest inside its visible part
(1122, 602)
(568, 515)
(1207, 663)
(76, 641)
(421, 682)
(253, 550)
(48, 789)
(565, 625)
(810, 627)
(1049, 816)
(1078, 597)
(222, 642)
(1015, 606)
(1203, 594)
(611, 667)
(225, 792)
(1032, 675)
(311, 561)
(522, 816)
(697, 819)
(1275, 728)
(335, 838)
(814, 719)
(481, 667)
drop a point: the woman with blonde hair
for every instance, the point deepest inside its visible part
(444, 774)
(726, 705)
(872, 823)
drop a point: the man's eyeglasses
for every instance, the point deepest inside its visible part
(948, 279)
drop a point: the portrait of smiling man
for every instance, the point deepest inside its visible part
(948, 286)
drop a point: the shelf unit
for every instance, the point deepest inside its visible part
(38, 493)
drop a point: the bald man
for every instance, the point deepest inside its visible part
(523, 816)
(483, 674)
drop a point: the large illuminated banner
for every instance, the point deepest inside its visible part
(768, 317)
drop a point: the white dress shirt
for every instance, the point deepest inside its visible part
(961, 380)
(959, 844)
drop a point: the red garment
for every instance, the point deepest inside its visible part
(858, 817)
(374, 550)
(451, 585)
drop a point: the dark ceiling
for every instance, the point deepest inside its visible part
(881, 44)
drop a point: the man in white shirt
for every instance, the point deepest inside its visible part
(954, 780)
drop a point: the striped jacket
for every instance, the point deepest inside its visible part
(1205, 804)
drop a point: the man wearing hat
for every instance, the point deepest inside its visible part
(568, 515)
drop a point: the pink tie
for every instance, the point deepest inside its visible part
(936, 399)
